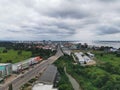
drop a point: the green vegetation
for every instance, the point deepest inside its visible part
(17, 55)
(13, 56)
(28, 86)
(64, 83)
(43, 53)
(103, 76)
(1, 49)
(15, 52)
(111, 62)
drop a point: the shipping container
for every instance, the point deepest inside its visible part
(18, 67)
(37, 59)
(31, 61)
(25, 65)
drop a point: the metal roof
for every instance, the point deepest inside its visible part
(49, 75)
(41, 86)
(4, 64)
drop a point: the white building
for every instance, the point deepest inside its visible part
(90, 54)
(82, 58)
(86, 59)
(41, 86)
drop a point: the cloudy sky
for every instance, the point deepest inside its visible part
(60, 19)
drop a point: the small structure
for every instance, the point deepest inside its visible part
(66, 51)
(113, 50)
(47, 79)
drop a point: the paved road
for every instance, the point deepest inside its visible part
(74, 83)
(24, 78)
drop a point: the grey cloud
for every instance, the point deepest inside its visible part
(51, 30)
(108, 0)
(106, 30)
(67, 26)
(59, 18)
(69, 14)
(66, 9)
(13, 31)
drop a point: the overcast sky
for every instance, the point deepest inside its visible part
(59, 19)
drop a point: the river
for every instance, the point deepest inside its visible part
(115, 44)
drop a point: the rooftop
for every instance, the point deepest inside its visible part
(41, 86)
(49, 75)
(4, 64)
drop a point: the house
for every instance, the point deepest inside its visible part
(113, 50)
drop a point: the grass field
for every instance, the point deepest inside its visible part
(107, 57)
(13, 55)
(1, 49)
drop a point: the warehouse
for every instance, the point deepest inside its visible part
(90, 54)
(80, 58)
(83, 59)
(86, 58)
(47, 79)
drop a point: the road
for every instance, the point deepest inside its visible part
(74, 83)
(24, 78)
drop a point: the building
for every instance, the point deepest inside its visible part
(47, 80)
(5, 70)
(66, 51)
(113, 50)
(41, 86)
(86, 59)
(83, 59)
(80, 58)
(90, 54)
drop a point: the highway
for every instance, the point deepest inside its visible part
(24, 78)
